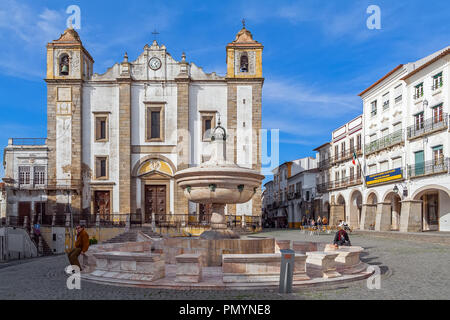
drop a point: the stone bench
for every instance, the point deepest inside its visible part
(259, 267)
(129, 265)
(282, 244)
(324, 262)
(304, 246)
(189, 267)
(348, 258)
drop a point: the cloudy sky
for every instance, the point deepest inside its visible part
(318, 55)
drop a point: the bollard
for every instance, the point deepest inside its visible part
(287, 270)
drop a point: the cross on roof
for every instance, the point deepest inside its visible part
(155, 33)
(243, 23)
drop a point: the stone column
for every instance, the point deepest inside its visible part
(368, 214)
(51, 144)
(383, 217)
(411, 216)
(183, 139)
(231, 154)
(256, 141)
(124, 144)
(77, 150)
(337, 212)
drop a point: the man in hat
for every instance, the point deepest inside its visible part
(81, 246)
(341, 237)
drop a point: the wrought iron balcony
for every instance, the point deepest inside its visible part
(346, 155)
(338, 184)
(428, 126)
(384, 142)
(437, 166)
(49, 184)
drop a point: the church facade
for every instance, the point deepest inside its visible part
(115, 140)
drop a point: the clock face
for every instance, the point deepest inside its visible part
(154, 63)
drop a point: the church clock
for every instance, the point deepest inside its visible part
(154, 63)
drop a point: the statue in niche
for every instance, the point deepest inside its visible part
(64, 65)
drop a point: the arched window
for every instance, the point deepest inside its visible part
(64, 65)
(244, 63)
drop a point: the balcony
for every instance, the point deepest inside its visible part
(437, 85)
(51, 184)
(384, 142)
(339, 184)
(346, 155)
(428, 126)
(427, 168)
(325, 163)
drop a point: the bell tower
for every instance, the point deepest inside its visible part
(244, 56)
(244, 90)
(68, 66)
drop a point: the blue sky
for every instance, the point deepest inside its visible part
(318, 55)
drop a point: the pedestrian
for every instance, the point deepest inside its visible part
(325, 221)
(319, 221)
(341, 237)
(81, 246)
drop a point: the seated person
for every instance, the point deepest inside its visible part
(341, 237)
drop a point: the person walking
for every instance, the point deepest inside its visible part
(81, 246)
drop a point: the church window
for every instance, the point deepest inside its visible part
(244, 63)
(208, 124)
(101, 167)
(64, 65)
(155, 123)
(101, 128)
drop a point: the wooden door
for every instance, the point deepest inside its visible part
(24, 209)
(102, 203)
(155, 202)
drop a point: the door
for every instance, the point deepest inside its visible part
(102, 204)
(24, 209)
(419, 163)
(155, 202)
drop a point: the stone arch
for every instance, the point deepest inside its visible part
(340, 199)
(140, 162)
(395, 208)
(372, 197)
(433, 212)
(326, 209)
(64, 61)
(416, 195)
(355, 207)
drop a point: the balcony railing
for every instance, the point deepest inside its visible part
(325, 163)
(346, 155)
(426, 168)
(50, 184)
(337, 184)
(398, 99)
(29, 141)
(428, 126)
(384, 142)
(436, 86)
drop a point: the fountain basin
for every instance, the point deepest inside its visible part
(219, 185)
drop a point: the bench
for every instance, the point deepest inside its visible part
(129, 265)
(324, 262)
(189, 267)
(259, 267)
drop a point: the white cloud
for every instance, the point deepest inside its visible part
(25, 31)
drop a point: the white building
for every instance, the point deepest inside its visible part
(407, 186)
(115, 140)
(292, 193)
(25, 162)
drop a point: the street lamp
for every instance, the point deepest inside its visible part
(404, 188)
(425, 103)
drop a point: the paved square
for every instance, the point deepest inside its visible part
(410, 270)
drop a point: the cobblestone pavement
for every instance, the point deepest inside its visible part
(410, 270)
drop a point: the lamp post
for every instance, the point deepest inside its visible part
(404, 190)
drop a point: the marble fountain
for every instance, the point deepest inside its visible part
(219, 258)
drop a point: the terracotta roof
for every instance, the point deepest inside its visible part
(387, 75)
(320, 147)
(443, 54)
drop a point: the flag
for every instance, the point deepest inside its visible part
(354, 158)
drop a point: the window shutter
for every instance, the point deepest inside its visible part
(97, 128)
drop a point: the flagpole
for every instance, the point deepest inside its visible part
(360, 168)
